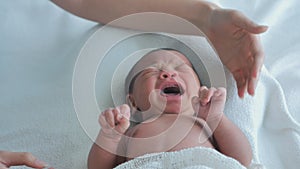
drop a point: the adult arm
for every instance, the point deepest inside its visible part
(105, 11)
(232, 34)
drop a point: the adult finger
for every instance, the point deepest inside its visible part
(241, 88)
(258, 56)
(258, 59)
(240, 20)
(252, 86)
(23, 158)
(241, 82)
(2, 166)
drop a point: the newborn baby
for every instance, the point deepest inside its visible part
(172, 111)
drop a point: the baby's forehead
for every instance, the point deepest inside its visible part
(158, 57)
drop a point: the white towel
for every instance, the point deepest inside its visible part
(265, 119)
(192, 158)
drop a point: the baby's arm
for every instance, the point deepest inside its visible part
(230, 139)
(232, 142)
(114, 123)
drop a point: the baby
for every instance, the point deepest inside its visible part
(172, 111)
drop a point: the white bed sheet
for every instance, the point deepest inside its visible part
(39, 44)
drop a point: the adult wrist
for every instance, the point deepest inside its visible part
(201, 15)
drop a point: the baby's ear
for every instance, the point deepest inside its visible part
(130, 101)
(135, 117)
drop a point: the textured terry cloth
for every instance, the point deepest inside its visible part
(192, 158)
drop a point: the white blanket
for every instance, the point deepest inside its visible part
(40, 42)
(192, 158)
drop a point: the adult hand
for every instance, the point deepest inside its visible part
(234, 37)
(8, 159)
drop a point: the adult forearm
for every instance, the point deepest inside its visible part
(105, 11)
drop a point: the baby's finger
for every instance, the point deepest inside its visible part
(202, 91)
(102, 120)
(211, 92)
(123, 125)
(109, 117)
(122, 118)
(117, 115)
(125, 111)
(206, 95)
(220, 92)
(196, 104)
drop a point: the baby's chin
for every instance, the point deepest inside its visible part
(178, 109)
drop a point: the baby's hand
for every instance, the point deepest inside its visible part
(210, 103)
(114, 122)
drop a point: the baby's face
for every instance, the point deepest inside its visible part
(166, 82)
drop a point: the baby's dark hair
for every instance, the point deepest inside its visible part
(131, 84)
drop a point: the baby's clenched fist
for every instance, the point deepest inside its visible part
(115, 121)
(210, 102)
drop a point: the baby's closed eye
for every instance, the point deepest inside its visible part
(149, 72)
(183, 67)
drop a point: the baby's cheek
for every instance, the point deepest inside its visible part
(193, 89)
(156, 100)
(142, 99)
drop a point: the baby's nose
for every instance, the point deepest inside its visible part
(167, 74)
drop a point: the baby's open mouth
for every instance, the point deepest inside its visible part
(172, 89)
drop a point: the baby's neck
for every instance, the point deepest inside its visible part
(152, 115)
